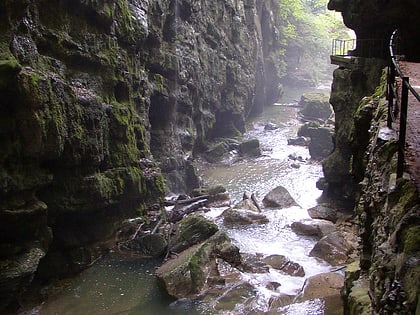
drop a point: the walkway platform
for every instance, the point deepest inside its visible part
(412, 153)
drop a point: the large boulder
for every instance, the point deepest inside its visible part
(191, 230)
(279, 197)
(250, 148)
(220, 150)
(336, 248)
(316, 106)
(326, 287)
(233, 217)
(321, 144)
(318, 228)
(322, 285)
(187, 274)
(149, 245)
(323, 212)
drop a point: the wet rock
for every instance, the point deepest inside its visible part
(321, 144)
(270, 126)
(250, 148)
(17, 272)
(318, 228)
(279, 197)
(217, 196)
(295, 157)
(273, 285)
(323, 212)
(280, 301)
(150, 245)
(246, 204)
(186, 274)
(335, 248)
(243, 217)
(249, 202)
(242, 293)
(301, 141)
(285, 265)
(191, 230)
(315, 106)
(322, 285)
(218, 152)
(253, 263)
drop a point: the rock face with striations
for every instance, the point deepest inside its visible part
(97, 98)
(363, 165)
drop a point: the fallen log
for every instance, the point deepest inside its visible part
(178, 213)
(184, 201)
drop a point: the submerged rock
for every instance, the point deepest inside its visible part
(253, 263)
(279, 197)
(285, 265)
(270, 126)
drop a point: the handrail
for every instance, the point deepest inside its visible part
(355, 47)
(393, 106)
(397, 68)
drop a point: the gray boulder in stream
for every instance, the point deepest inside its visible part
(337, 248)
(279, 197)
(285, 265)
(191, 230)
(243, 217)
(250, 148)
(187, 274)
(318, 228)
(316, 106)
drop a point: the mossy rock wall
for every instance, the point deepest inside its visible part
(388, 215)
(98, 99)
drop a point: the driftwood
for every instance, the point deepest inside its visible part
(184, 201)
(178, 213)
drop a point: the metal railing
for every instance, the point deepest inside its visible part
(395, 104)
(367, 48)
(343, 47)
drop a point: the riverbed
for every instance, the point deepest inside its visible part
(127, 285)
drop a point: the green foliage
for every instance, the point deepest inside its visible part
(307, 28)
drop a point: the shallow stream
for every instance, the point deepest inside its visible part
(119, 285)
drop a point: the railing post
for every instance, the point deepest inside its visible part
(403, 127)
(390, 93)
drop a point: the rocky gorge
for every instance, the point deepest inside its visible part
(105, 105)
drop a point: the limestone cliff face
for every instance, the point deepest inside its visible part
(97, 98)
(348, 88)
(385, 280)
(362, 168)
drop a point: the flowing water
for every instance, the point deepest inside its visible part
(121, 285)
